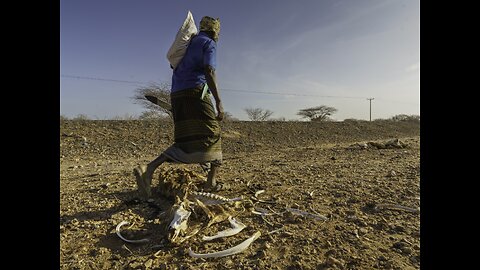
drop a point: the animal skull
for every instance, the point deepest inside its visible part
(178, 226)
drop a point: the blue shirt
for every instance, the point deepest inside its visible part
(190, 73)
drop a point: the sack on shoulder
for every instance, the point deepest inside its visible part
(182, 39)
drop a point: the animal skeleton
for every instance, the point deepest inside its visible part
(194, 210)
(207, 208)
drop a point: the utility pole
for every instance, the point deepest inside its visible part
(370, 99)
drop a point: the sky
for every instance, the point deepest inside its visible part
(277, 55)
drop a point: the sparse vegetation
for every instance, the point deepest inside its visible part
(228, 117)
(81, 117)
(279, 119)
(125, 117)
(152, 115)
(353, 120)
(161, 91)
(405, 117)
(258, 114)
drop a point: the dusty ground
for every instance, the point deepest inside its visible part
(308, 166)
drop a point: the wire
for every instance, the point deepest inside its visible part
(100, 79)
(237, 90)
(288, 94)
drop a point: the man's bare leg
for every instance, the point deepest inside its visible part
(154, 164)
(211, 182)
(144, 175)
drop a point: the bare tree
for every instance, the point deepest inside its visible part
(160, 91)
(81, 117)
(258, 114)
(279, 119)
(228, 117)
(404, 117)
(124, 117)
(151, 115)
(319, 113)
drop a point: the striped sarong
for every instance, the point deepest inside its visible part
(197, 132)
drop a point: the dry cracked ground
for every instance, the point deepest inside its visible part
(369, 193)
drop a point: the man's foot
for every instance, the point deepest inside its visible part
(144, 182)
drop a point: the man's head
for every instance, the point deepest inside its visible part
(211, 26)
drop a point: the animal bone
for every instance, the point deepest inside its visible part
(265, 212)
(214, 217)
(259, 192)
(261, 211)
(231, 251)
(396, 207)
(277, 230)
(127, 240)
(262, 201)
(179, 221)
(217, 198)
(194, 232)
(192, 208)
(237, 227)
(211, 196)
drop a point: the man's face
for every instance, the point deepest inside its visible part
(215, 36)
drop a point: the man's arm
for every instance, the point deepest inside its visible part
(212, 85)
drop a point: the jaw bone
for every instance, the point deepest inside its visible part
(211, 198)
(237, 227)
(231, 251)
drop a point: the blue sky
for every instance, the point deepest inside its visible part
(309, 52)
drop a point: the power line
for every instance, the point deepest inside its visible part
(100, 79)
(222, 89)
(396, 101)
(287, 94)
(234, 90)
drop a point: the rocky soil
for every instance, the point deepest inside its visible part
(353, 173)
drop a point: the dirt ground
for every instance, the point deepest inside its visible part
(370, 195)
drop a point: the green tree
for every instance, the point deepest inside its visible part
(319, 113)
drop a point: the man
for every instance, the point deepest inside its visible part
(197, 130)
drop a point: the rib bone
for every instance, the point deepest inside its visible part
(237, 227)
(231, 251)
(126, 240)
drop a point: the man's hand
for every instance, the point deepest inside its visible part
(220, 113)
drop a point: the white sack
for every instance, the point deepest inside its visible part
(182, 39)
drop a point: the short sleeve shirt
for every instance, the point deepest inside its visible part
(190, 73)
